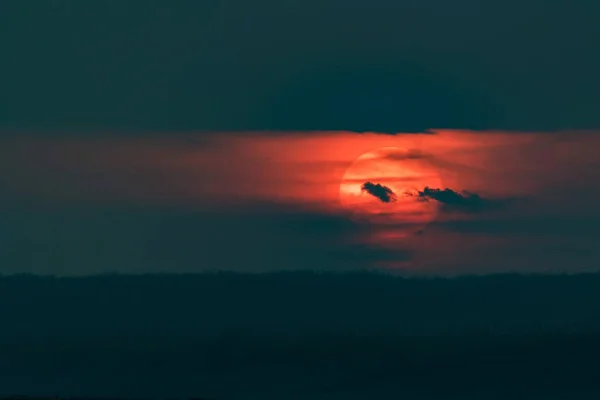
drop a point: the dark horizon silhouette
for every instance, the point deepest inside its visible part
(268, 336)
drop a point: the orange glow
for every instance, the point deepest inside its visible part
(396, 169)
(317, 173)
(302, 168)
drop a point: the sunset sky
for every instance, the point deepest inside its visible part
(259, 201)
(444, 138)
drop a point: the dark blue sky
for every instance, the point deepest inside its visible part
(378, 65)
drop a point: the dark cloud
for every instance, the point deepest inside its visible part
(451, 200)
(254, 238)
(520, 226)
(328, 65)
(383, 193)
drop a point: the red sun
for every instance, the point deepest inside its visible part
(399, 173)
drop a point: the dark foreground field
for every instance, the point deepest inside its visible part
(301, 336)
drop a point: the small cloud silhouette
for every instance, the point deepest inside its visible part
(469, 202)
(383, 193)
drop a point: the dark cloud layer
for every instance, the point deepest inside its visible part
(383, 193)
(523, 226)
(451, 200)
(261, 237)
(385, 65)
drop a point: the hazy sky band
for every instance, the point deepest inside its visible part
(245, 190)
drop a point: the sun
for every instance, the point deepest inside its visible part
(397, 174)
